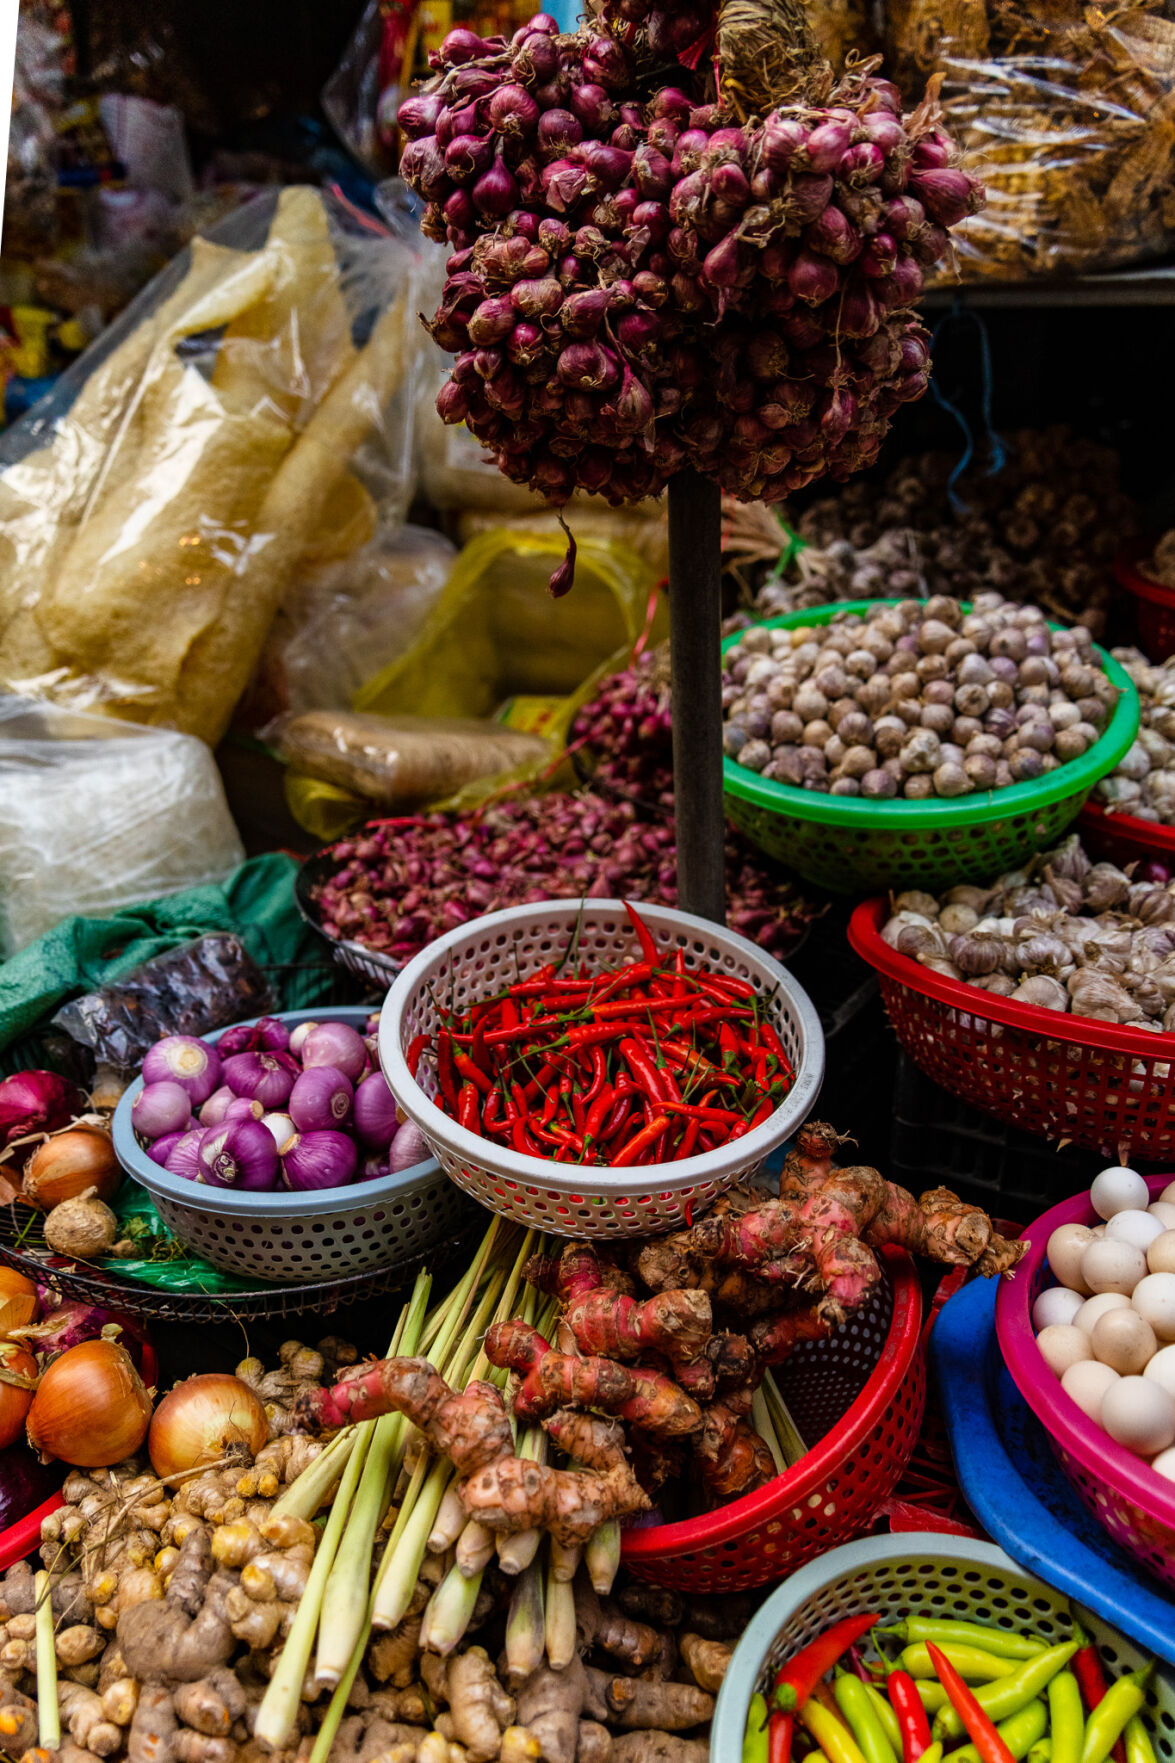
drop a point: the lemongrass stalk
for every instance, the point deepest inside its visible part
(400, 1567)
(601, 1556)
(278, 1713)
(762, 1423)
(48, 1709)
(563, 1560)
(475, 1549)
(449, 1612)
(526, 1635)
(515, 1553)
(450, 1521)
(343, 1612)
(559, 1625)
(454, 1311)
(305, 1495)
(791, 1441)
(468, 1354)
(337, 1706)
(481, 1367)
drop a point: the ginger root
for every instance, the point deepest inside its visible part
(612, 1325)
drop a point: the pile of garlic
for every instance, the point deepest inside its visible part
(1107, 1330)
(1143, 781)
(1064, 933)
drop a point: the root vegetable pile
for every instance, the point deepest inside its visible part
(1063, 933)
(1142, 784)
(919, 699)
(642, 1064)
(636, 287)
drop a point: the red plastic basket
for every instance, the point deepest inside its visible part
(1122, 1491)
(1123, 838)
(1094, 1084)
(1154, 604)
(861, 1392)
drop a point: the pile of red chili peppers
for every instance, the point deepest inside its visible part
(646, 1063)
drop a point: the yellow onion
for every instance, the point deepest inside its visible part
(18, 1301)
(17, 1368)
(67, 1164)
(91, 1408)
(204, 1419)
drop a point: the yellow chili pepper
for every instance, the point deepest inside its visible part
(831, 1734)
(973, 1664)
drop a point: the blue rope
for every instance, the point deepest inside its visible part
(997, 451)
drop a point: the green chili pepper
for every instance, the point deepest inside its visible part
(1042, 1751)
(1019, 1732)
(1066, 1718)
(1121, 1702)
(933, 1695)
(755, 1742)
(884, 1712)
(965, 1634)
(1138, 1742)
(972, 1663)
(1002, 1699)
(853, 1701)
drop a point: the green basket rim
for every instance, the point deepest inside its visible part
(973, 810)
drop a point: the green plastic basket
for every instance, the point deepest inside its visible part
(851, 846)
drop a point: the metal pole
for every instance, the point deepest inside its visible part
(695, 662)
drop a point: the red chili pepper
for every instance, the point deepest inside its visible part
(468, 1112)
(796, 1681)
(472, 1073)
(907, 1705)
(578, 1113)
(762, 1113)
(446, 1076)
(980, 1728)
(621, 1110)
(692, 1060)
(780, 1730)
(598, 1113)
(689, 1138)
(489, 1114)
(1091, 1681)
(644, 1140)
(415, 1048)
(523, 1143)
(644, 936)
(599, 1073)
(640, 1063)
(698, 1111)
(728, 1044)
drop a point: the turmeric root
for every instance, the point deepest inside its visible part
(732, 1459)
(636, 1703)
(601, 1623)
(503, 1492)
(608, 1324)
(706, 1661)
(658, 1747)
(554, 1380)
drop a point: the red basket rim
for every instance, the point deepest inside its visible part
(1098, 1454)
(1130, 577)
(1051, 1025)
(1150, 834)
(901, 1343)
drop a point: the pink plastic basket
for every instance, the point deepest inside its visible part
(1136, 1506)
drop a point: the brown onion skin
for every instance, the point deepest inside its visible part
(14, 1401)
(90, 1408)
(68, 1163)
(203, 1419)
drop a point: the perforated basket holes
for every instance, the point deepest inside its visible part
(577, 1215)
(1099, 1100)
(351, 1240)
(822, 1379)
(1145, 1537)
(1156, 627)
(851, 860)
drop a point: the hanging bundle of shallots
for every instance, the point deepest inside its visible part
(638, 287)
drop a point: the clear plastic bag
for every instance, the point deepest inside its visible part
(190, 990)
(246, 411)
(1067, 114)
(348, 617)
(94, 817)
(401, 761)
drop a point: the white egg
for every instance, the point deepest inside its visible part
(1122, 1339)
(1063, 1345)
(1094, 1309)
(1115, 1189)
(1086, 1384)
(1168, 1192)
(1164, 1211)
(1066, 1246)
(1110, 1266)
(1154, 1299)
(1056, 1304)
(1139, 1414)
(1160, 1255)
(1161, 1369)
(1134, 1227)
(1099, 1230)
(1164, 1463)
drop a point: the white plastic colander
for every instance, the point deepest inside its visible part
(917, 1574)
(486, 955)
